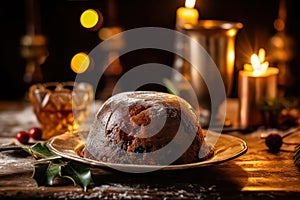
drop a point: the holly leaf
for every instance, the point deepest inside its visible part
(50, 166)
(297, 155)
(39, 173)
(45, 173)
(40, 151)
(78, 172)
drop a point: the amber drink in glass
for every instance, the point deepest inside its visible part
(60, 106)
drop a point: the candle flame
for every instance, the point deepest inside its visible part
(190, 3)
(255, 62)
(258, 64)
(261, 54)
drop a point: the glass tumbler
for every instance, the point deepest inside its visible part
(61, 106)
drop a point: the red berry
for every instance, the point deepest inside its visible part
(274, 142)
(35, 133)
(22, 137)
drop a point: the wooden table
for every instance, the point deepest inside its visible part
(257, 174)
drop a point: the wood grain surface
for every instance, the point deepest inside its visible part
(258, 174)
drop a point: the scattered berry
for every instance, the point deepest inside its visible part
(22, 137)
(35, 133)
(274, 142)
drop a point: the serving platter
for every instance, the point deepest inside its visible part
(226, 147)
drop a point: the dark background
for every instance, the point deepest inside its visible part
(66, 37)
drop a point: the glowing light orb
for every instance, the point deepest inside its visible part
(91, 19)
(80, 62)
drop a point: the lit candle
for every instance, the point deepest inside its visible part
(184, 15)
(187, 14)
(256, 82)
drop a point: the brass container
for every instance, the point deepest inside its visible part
(218, 39)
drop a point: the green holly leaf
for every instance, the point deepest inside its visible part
(78, 172)
(50, 166)
(45, 173)
(40, 151)
(297, 155)
(39, 173)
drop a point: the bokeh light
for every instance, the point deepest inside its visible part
(91, 19)
(80, 62)
(107, 32)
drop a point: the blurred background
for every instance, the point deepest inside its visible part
(59, 22)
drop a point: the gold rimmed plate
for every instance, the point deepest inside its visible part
(226, 147)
